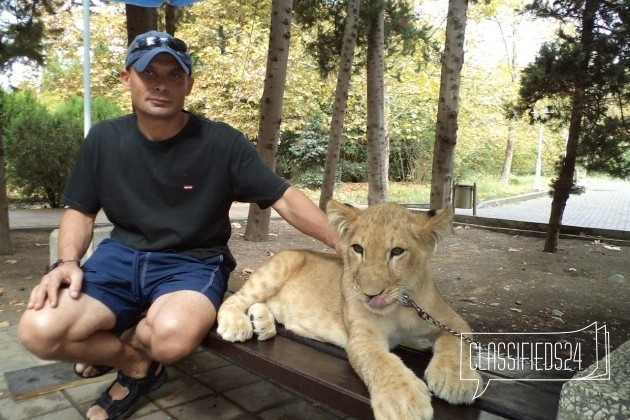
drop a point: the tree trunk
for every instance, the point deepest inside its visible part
(512, 63)
(509, 154)
(271, 107)
(169, 19)
(564, 183)
(341, 101)
(6, 246)
(140, 20)
(377, 141)
(448, 106)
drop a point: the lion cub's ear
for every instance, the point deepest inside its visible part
(340, 215)
(435, 225)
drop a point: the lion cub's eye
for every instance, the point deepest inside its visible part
(396, 251)
(357, 248)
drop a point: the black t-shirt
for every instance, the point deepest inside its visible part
(174, 194)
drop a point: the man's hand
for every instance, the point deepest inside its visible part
(68, 273)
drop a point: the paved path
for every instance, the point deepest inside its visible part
(206, 386)
(604, 205)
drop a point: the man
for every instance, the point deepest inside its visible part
(166, 179)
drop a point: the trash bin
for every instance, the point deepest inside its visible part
(463, 196)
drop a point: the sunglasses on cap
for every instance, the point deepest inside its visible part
(151, 42)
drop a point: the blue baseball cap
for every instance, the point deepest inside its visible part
(146, 46)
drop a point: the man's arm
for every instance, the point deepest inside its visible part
(75, 235)
(301, 213)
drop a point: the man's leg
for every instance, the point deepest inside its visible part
(174, 327)
(75, 330)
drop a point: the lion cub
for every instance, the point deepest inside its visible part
(350, 300)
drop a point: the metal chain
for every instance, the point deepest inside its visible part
(406, 301)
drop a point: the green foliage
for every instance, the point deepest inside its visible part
(552, 78)
(404, 32)
(22, 30)
(41, 145)
(608, 147)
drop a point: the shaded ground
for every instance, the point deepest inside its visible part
(499, 282)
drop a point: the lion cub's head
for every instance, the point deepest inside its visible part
(385, 249)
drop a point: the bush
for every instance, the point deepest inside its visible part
(352, 171)
(41, 146)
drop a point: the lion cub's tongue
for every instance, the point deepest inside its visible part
(378, 302)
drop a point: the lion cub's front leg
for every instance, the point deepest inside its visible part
(395, 391)
(245, 313)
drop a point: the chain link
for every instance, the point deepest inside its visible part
(406, 301)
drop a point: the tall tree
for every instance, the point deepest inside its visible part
(20, 39)
(377, 142)
(350, 34)
(6, 245)
(585, 76)
(271, 106)
(565, 179)
(448, 104)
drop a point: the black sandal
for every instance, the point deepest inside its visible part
(137, 388)
(100, 371)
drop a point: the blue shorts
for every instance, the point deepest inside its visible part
(128, 281)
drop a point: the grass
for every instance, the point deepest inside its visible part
(413, 193)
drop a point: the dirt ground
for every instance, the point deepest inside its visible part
(499, 282)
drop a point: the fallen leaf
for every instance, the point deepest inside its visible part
(1, 291)
(612, 247)
(4, 324)
(248, 271)
(269, 253)
(10, 261)
(516, 310)
(16, 303)
(515, 249)
(236, 225)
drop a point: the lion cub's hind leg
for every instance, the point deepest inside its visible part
(236, 314)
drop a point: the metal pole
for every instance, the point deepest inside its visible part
(87, 108)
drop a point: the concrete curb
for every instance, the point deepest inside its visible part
(539, 229)
(513, 199)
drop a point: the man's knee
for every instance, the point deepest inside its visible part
(40, 333)
(172, 342)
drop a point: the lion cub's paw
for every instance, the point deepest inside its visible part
(234, 327)
(403, 397)
(447, 382)
(262, 320)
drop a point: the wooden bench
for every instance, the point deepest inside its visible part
(321, 371)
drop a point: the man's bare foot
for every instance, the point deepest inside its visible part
(85, 370)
